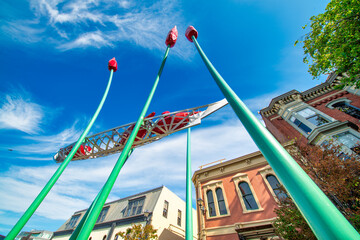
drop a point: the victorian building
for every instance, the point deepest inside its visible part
(159, 207)
(237, 198)
(317, 115)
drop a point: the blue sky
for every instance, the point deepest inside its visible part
(53, 72)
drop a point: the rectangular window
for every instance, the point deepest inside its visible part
(166, 207)
(135, 207)
(179, 218)
(307, 119)
(349, 140)
(102, 214)
(72, 221)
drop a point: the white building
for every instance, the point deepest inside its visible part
(165, 210)
(35, 235)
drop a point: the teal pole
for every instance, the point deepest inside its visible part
(189, 220)
(91, 220)
(77, 230)
(30, 211)
(323, 217)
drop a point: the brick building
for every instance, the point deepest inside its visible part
(237, 198)
(317, 115)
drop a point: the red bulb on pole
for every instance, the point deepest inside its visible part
(171, 37)
(191, 31)
(112, 64)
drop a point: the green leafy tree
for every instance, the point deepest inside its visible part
(139, 232)
(336, 174)
(333, 43)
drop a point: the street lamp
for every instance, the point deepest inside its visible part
(200, 202)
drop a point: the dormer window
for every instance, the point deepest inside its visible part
(72, 221)
(135, 207)
(102, 214)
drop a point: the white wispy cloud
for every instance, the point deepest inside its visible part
(160, 163)
(20, 113)
(97, 23)
(50, 144)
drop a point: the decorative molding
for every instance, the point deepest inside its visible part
(232, 229)
(264, 172)
(318, 132)
(295, 96)
(331, 103)
(213, 185)
(328, 98)
(243, 177)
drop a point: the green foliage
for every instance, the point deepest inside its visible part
(334, 41)
(290, 224)
(139, 232)
(336, 174)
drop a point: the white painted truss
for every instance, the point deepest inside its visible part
(154, 128)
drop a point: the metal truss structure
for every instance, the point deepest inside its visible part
(154, 128)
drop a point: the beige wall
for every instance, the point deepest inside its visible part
(123, 228)
(175, 203)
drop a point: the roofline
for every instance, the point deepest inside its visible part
(331, 81)
(229, 162)
(121, 199)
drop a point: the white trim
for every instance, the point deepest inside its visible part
(293, 113)
(243, 177)
(213, 185)
(330, 136)
(331, 103)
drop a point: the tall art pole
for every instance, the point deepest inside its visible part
(323, 217)
(35, 204)
(189, 220)
(105, 191)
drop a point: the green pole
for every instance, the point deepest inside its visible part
(29, 212)
(91, 220)
(323, 217)
(189, 221)
(77, 230)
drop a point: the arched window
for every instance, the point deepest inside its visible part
(211, 205)
(221, 202)
(347, 108)
(276, 186)
(247, 196)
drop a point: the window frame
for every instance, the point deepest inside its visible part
(165, 209)
(179, 217)
(68, 226)
(130, 207)
(264, 172)
(213, 185)
(102, 216)
(218, 200)
(212, 203)
(294, 114)
(331, 136)
(243, 177)
(346, 101)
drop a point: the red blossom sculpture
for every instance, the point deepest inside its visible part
(171, 37)
(112, 64)
(191, 31)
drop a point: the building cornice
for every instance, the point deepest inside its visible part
(245, 162)
(293, 95)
